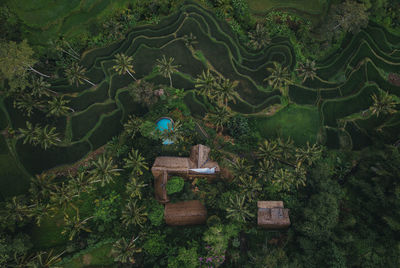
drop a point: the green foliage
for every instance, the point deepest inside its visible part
(107, 211)
(155, 244)
(155, 212)
(175, 185)
(238, 126)
(218, 237)
(186, 258)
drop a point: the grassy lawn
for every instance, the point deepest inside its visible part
(298, 122)
(48, 18)
(13, 180)
(309, 6)
(99, 257)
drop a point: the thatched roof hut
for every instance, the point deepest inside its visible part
(175, 165)
(185, 213)
(272, 215)
(160, 187)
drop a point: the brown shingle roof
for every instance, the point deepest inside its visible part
(272, 215)
(185, 213)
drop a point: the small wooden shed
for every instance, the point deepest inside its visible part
(272, 215)
(185, 213)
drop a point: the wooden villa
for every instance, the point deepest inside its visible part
(272, 215)
(185, 213)
(165, 166)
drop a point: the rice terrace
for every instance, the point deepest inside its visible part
(207, 133)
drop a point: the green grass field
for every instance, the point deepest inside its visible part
(309, 6)
(47, 19)
(298, 122)
(92, 258)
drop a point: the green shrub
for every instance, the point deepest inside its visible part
(155, 244)
(238, 126)
(155, 213)
(175, 185)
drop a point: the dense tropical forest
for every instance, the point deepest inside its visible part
(298, 101)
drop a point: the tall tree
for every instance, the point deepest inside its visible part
(259, 38)
(41, 186)
(383, 103)
(44, 136)
(16, 59)
(219, 117)
(351, 16)
(307, 70)
(136, 162)
(226, 91)
(58, 107)
(166, 67)
(103, 170)
(240, 167)
(41, 88)
(279, 78)
(238, 209)
(73, 225)
(26, 103)
(132, 126)
(133, 214)
(76, 74)
(134, 187)
(206, 84)
(123, 64)
(46, 259)
(124, 251)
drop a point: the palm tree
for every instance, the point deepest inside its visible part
(124, 252)
(225, 7)
(26, 104)
(136, 162)
(174, 134)
(39, 211)
(238, 209)
(226, 91)
(123, 65)
(285, 179)
(46, 259)
(133, 214)
(279, 78)
(47, 137)
(62, 197)
(269, 151)
(41, 88)
(103, 170)
(240, 167)
(29, 134)
(265, 169)
(310, 154)
(219, 117)
(80, 183)
(57, 107)
(287, 150)
(76, 74)
(166, 68)
(36, 135)
(249, 186)
(307, 70)
(259, 38)
(383, 104)
(206, 84)
(16, 210)
(134, 188)
(132, 126)
(74, 225)
(41, 186)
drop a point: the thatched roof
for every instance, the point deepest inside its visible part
(185, 213)
(160, 189)
(171, 164)
(272, 215)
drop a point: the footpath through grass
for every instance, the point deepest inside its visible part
(309, 6)
(298, 122)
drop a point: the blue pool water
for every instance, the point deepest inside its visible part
(162, 125)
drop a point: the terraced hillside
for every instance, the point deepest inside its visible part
(335, 103)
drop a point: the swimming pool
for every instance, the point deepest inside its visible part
(162, 125)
